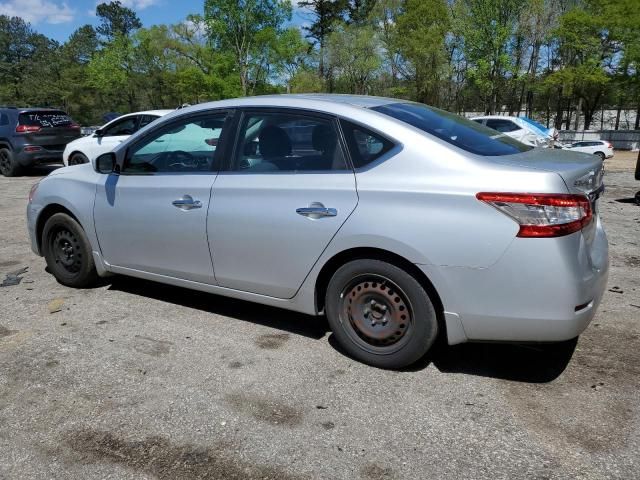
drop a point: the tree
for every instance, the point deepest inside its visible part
(291, 52)
(354, 53)
(326, 14)
(116, 19)
(237, 26)
(420, 35)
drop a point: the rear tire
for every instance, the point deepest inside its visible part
(9, 167)
(68, 252)
(78, 159)
(601, 155)
(380, 314)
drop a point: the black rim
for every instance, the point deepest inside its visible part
(5, 162)
(65, 247)
(376, 313)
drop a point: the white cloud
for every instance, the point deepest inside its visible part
(138, 4)
(37, 11)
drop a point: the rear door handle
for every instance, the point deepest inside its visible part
(187, 203)
(317, 212)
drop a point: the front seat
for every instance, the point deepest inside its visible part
(275, 146)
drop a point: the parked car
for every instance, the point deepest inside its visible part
(595, 147)
(522, 129)
(399, 221)
(32, 136)
(107, 137)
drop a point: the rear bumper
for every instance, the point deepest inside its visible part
(28, 159)
(541, 290)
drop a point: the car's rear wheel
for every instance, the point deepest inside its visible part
(380, 314)
(9, 167)
(601, 155)
(78, 159)
(67, 251)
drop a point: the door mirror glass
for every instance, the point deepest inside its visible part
(105, 163)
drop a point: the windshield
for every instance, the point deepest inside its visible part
(45, 119)
(454, 129)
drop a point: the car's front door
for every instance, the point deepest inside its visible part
(152, 216)
(287, 192)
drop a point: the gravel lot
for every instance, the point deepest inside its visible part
(138, 380)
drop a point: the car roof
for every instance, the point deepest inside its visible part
(318, 101)
(160, 113)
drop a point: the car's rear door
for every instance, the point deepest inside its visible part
(286, 193)
(152, 216)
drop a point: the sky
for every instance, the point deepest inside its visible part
(58, 19)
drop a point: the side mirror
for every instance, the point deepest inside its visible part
(99, 133)
(106, 163)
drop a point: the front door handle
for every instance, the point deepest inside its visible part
(187, 203)
(316, 212)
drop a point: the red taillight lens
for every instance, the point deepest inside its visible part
(542, 215)
(27, 129)
(74, 126)
(610, 145)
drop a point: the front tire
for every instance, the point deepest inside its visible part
(380, 314)
(9, 167)
(77, 159)
(68, 252)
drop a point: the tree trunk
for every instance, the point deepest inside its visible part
(568, 127)
(637, 125)
(617, 117)
(578, 110)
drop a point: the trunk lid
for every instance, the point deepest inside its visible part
(50, 129)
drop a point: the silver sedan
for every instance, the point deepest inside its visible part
(401, 222)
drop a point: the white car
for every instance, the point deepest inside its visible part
(108, 137)
(596, 147)
(522, 129)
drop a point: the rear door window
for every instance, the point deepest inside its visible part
(45, 119)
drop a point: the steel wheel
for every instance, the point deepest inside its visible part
(377, 313)
(66, 250)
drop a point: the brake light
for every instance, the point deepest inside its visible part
(542, 215)
(610, 145)
(27, 129)
(74, 126)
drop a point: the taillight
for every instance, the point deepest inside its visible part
(610, 145)
(27, 129)
(542, 214)
(74, 126)
(32, 192)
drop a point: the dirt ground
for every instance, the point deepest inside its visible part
(135, 380)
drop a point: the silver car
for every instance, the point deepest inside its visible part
(399, 221)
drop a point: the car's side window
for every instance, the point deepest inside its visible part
(287, 142)
(503, 126)
(187, 145)
(146, 120)
(4, 119)
(365, 146)
(126, 126)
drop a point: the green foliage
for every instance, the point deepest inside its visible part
(116, 20)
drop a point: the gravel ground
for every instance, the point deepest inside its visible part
(135, 380)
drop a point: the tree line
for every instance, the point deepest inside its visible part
(550, 59)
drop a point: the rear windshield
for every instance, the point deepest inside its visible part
(45, 119)
(454, 129)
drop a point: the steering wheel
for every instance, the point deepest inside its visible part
(181, 160)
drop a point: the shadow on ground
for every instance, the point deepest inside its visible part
(523, 363)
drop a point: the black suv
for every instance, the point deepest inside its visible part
(30, 136)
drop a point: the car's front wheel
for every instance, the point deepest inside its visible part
(78, 159)
(380, 314)
(9, 167)
(67, 251)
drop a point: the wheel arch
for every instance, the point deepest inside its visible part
(46, 213)
(339, 259)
